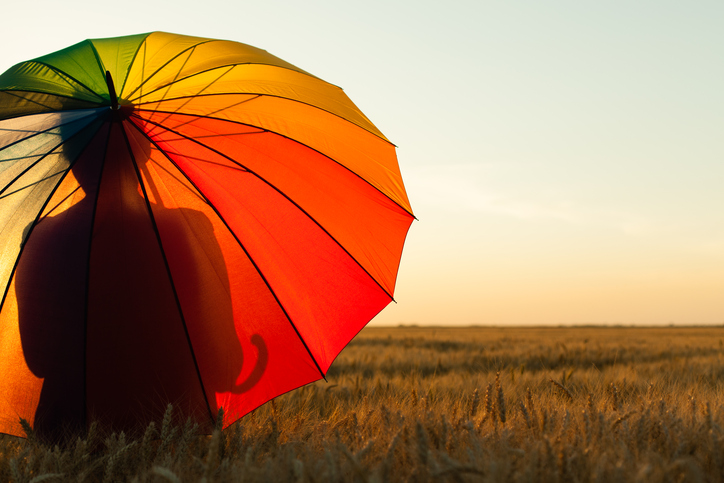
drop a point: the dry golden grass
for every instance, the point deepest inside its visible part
(459, 404)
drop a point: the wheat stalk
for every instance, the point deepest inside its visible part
(614, 397)
(564, 389)
(501, 399)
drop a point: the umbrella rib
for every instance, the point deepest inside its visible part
(168, 271)
(175, 79)
(179, 54)
(257, 95)
(206, 41)
(272, 186)
(35, 223)
(51, 108)
(36, 133)
(208, 116)
(87, 278)
(205, 87)
(278, 134)
(5, 195)
(14, 93)
(22, 248)
(241, 245)
(141, 46)
(60, 202)
(101, 65)
(63, 73)
(232, 65)
(32, 165)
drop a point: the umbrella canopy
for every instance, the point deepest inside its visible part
(183, 220)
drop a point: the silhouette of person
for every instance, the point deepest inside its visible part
(114, 308)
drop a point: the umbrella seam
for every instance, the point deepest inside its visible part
(272, 186)
(38, 133)
(181, 68)
(168, 271)
(5, 195)
(241, 245)
(101, 64)
(232, 65)
(87, 277)
(141, 45)
(285, 137)
(257, 95)
(51, 109)
(253, 96)
(140, 85)
(206, 41)
(20, 175)
(380, 135)
(69, 77)
(35, 222)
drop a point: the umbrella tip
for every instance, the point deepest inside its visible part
(112, 91)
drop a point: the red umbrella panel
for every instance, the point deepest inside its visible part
(185, 221)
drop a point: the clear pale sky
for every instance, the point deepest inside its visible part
(565, 158)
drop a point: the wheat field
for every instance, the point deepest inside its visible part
(446, 404)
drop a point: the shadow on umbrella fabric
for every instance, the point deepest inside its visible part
(116, 290)
(229, 224)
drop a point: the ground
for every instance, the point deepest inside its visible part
(447, 404)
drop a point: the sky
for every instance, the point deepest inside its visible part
(565, 159)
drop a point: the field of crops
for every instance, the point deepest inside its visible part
(447, 404)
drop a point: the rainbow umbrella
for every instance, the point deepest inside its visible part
(187, 221)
